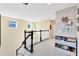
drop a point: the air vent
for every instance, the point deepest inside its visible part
(25, 3)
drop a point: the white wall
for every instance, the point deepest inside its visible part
(77, 31)
(71, 13)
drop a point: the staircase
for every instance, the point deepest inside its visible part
(26, 49)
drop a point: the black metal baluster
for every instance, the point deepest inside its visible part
(40, 35)
(31, 41)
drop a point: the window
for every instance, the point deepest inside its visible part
(29, 25)
(12, 24)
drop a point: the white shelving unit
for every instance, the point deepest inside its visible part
(66, 43)
(68, 53)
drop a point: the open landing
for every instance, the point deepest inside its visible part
(45, 48)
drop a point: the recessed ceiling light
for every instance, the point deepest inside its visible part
(49, 3)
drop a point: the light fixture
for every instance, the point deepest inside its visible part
(25, 3)
(49, 3)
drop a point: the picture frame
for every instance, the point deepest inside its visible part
(78, 19)
(78, 11)
(78, 28)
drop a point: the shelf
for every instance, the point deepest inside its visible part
(66, 43)
(67, 35)
(65, 52)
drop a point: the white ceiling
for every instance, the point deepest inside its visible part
(33, 11)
